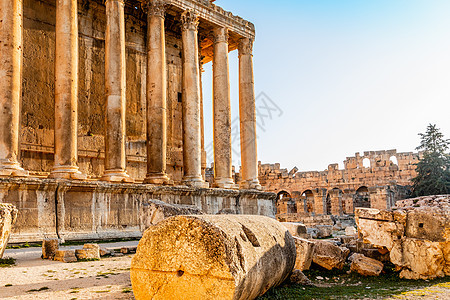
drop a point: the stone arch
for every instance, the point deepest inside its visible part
(283, 194)
(285, 203)
(366, 163)
(362, 197)
(328, 204)
(393, 160)
(308, 198)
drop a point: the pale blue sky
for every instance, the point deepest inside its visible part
(349, 76)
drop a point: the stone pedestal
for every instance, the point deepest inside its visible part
(247, 114)
(115, 82)
(66, 91)
(10, 86)
(222, 111)
(191, 102)
(156, 94)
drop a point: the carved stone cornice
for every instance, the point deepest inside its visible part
(245, 46)
(189, 20)
(155, 8)
(219, 35)
(214, 14)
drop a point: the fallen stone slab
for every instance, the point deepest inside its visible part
(364, 265)
(8, 216)
(329, 256)
(297, 277)
(128, 250)
(305, 250)
(212, 257)
(296, 229)
(154, 211)
(49, 248)
(89, 252)
(66, 256)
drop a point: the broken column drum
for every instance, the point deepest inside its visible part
(211, 257)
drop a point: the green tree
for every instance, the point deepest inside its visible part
(433, 169)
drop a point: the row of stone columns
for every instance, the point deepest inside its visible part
(66, 90)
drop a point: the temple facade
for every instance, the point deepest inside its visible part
(101, 110)
(111, 90)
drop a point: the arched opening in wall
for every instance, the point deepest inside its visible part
(393, 160)
(328, 205)
(362, 198)
(366, 163)
(285, 203)
(308, 197)
(283, 195)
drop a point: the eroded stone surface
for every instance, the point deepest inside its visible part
(8, 216)
(296, 229)
(417, 234)
(222, 256)
(49, 248)
(364, 265)
(305, 250)
(154, 211)
(89, 252)
(330, 256)
(66, 256)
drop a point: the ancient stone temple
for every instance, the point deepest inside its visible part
(101, 107)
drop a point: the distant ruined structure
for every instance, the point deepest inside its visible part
(101, 108)
(376, 179)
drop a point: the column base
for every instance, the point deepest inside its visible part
(117, 176)
(67, 172)
(9, 169)
(252, 184)
(195, 182)
(225, 183)
(158, 178)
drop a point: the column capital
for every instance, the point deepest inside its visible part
(189, 20)
(155, 8)
(245, 46)
(120, 1)
(219, 35)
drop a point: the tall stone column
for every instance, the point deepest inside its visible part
(115, 83)
(66, 91)
(222, 111)
(202, 119)
(191, 102)
(10, 86)
(247, 116)
(156, 94)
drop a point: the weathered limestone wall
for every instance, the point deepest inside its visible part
(95, 210)
(378, 185)
(38, 90)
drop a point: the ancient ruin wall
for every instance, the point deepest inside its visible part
(375, 179)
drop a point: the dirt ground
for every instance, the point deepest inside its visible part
(34, 278)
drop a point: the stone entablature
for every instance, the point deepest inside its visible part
(375, 179)
(112, 91)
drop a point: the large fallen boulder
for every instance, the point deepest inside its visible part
(416, 233)
(212, 257)
(49, 248)
(154, 211)
(89, 252)
(329, 256)
(8, 216)
(364, 265)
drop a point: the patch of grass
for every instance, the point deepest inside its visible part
(78, 243)
(339, 285)
(7, 262)
(88, 259)
(24, 245)
(44, 288)
(8, 285)
(105, 291)
(127, 290)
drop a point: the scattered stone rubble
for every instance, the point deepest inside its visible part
(222, 256)
(8, 216)
(416, 234)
